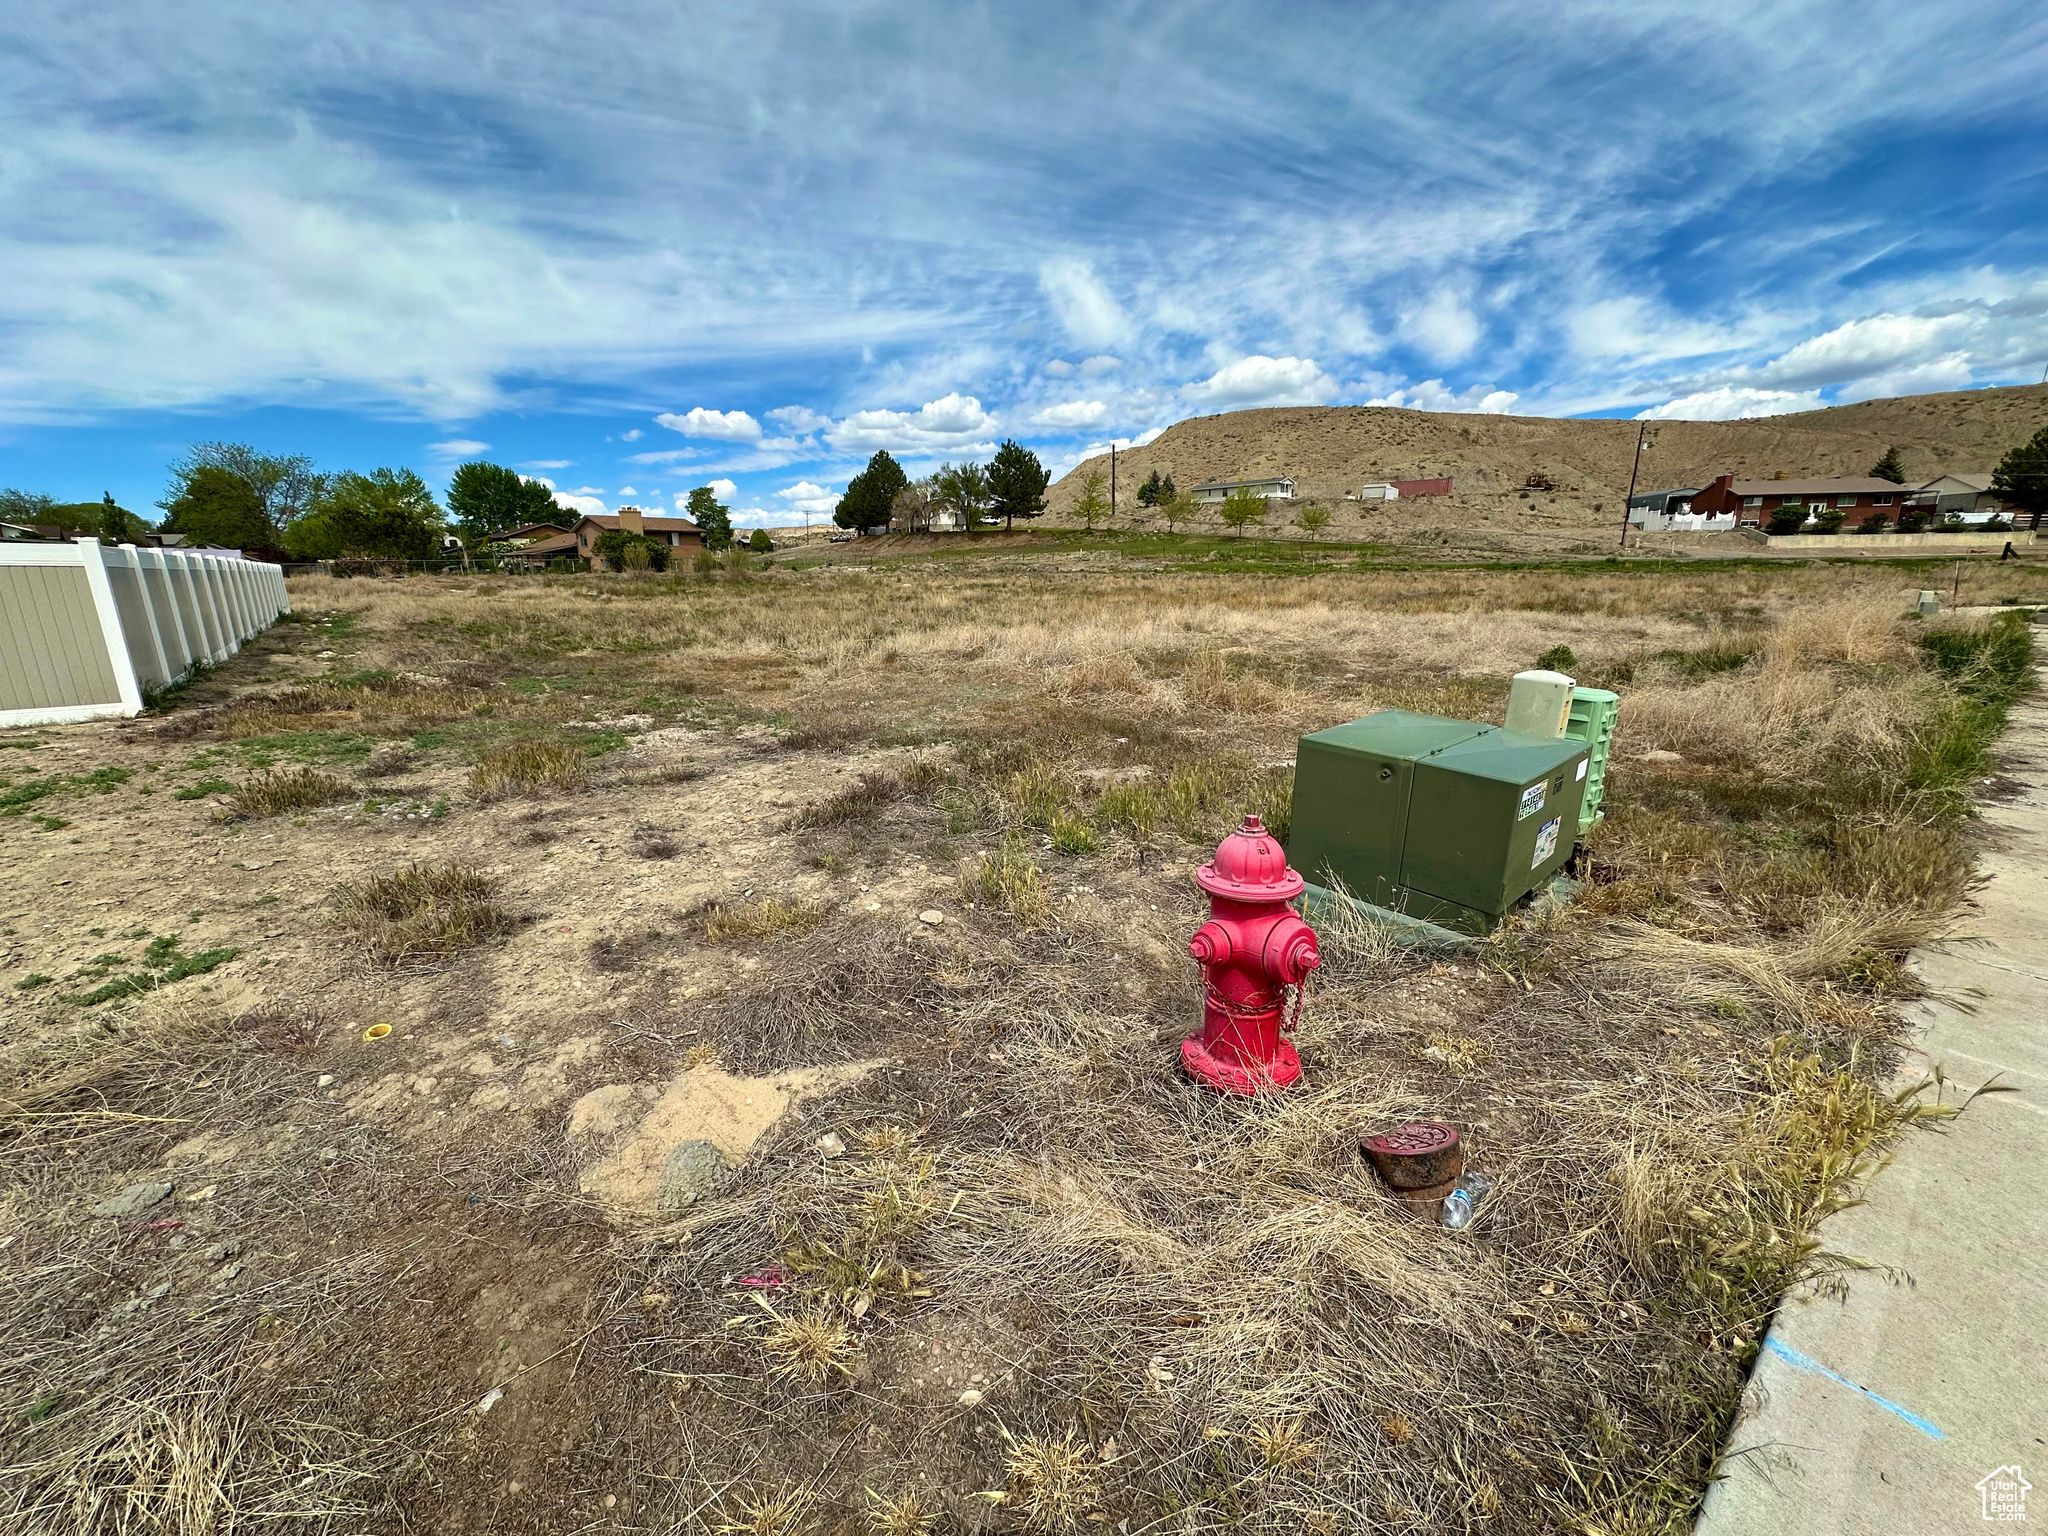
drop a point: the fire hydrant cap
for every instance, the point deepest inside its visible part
(1250, 866)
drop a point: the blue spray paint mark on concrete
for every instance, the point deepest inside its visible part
(1799, 1362)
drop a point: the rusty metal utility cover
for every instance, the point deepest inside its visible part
(1419, 1161)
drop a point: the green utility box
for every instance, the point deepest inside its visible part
(1591, 720)
(1445, 820)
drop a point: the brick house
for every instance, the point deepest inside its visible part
(678, 533)
(1751, 502)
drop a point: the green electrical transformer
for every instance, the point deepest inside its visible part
(1447, 821)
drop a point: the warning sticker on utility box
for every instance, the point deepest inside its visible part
(1532, 802)
(1546, 841)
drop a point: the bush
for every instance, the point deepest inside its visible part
(759, 542)
(1877, 522)
(625, 551)
(1559, 658)
(424, 909)
(1789, 518)
(279, 794)
(1912, 520)
(1830, 520)
(528, 767)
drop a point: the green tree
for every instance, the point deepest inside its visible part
(1149, 492)
(965, 490)
(1891, 467)
(1313, 519)
(712, 516)
(219, 507)
(1016, 482)
(1091, 503)
(2021, 479)
(1242, 508)
(287, 486)
(1828, 519)
(1175, 507)
(624, 551)
(487, 498)
(386, 514)
(759, 542)
(870, 496)
(1167, 489)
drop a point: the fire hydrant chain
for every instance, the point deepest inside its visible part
(1254, 950)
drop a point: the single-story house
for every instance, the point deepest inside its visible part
(1857, 497)
(28, 532)
(1967, 496)
(1652, 511)
(1278, 488)
(1394, 490)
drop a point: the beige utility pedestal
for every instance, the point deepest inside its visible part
(1540, 703)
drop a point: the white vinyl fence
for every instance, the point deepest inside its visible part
(86, 630)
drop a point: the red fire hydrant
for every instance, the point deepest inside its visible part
(1251, 950)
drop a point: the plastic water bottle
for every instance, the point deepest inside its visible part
(1463, 1201)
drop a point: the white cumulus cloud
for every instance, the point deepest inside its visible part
(1261, 380)
(798, 419)
(723, 426)
(1074, 413)
(954, 423)
(633, 436)
(1435, 395)
(808, 496)
(725, 490)
(1733, 402)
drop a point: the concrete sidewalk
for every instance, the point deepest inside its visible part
(1881, 1414)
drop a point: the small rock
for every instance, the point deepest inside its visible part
(873, 906)
(831, 1144)
(133, 1200)
(1661, 756)
(158, 1291)
(970, 1398)
(932, 916)
(326, 1080)
(226, 1248)
(689, 1174)
(229, 1273)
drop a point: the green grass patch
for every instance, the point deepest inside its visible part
(162, 963)
(16, 799)
(203, 788)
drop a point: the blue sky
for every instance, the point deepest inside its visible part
(635, 248)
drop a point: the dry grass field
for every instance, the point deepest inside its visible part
(359, 998)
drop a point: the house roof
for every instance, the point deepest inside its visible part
(530, 531)
(1978, 481)
(648, 521)
(1648, 496)
(1231, 485)
(560, 543)
(1851, 484)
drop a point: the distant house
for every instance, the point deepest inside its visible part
(1394, 490)
(675, 532)
(1967, 496)
(1278, 488)
(1751, 502)
(1652, 511)
(25, 531)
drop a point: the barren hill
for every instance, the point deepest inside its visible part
(1332, 450)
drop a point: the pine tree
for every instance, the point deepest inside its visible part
(1891, 467)
(870, 496)
(1148, 493)
(1016, 482)
(2021, 479)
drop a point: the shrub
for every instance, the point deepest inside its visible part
(422, 910)
(1007, 879)
(279, 794)
(759, 542)
(1559, 658)
(1829, 520)
(1073, 836)
(1913, 520)
(527, 768)
(764, 919)
(1789, 518)
(630, 551)
(1877, 522)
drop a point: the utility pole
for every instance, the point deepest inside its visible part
(1635, 465)
(1112, 479)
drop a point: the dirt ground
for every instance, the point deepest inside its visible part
(782, 1131)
